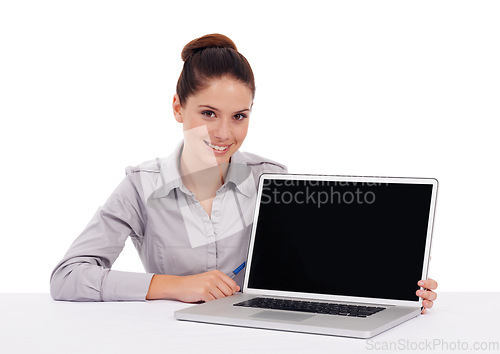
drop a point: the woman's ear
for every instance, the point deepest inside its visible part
(176, 106)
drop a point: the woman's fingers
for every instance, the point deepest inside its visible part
(220, 285)
(216, 293)
(427, 304)
(208, 297)
(206, 286)
(230, 285)
(225, 286)
(428, 284)
(427, 294)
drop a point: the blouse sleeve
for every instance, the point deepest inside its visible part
(84, 274)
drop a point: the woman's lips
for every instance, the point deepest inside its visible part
(218, 149)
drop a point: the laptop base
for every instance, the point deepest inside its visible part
(222, 312)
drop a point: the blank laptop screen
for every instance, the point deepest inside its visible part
(341, 238)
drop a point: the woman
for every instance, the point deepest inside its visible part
(189, 215)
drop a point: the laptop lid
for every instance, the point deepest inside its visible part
(342, 238)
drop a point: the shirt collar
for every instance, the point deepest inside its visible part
(238, 174)
(170, 176)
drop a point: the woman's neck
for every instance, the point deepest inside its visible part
(201, 177)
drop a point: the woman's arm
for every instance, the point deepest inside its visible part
(192, 288)
(84, 274)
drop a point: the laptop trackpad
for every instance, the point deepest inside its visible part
(282, 316)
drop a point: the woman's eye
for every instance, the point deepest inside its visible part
(209, 114)
(240, 116)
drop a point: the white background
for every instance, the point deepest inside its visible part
(392, 88)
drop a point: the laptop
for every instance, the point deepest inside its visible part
(332, 255)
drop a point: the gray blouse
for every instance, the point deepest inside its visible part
(171, 231)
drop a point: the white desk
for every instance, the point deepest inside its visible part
(34, 323)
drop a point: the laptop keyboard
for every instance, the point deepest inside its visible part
(326, 308)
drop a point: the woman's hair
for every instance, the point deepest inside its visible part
(211, 57)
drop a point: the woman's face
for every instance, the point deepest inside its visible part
(215, 120)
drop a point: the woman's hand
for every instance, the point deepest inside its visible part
(192, 288)
(428, 295)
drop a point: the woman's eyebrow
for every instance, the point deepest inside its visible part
(207, 106)
(215, 109)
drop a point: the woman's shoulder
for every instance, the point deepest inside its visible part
(155, 166)
(149, 166)
(145, 176)
(258, 162)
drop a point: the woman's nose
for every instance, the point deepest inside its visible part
(222, 130)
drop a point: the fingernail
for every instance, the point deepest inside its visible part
(421, 283)
(419, 293)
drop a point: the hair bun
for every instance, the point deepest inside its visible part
(208, 41)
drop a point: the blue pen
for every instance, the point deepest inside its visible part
(237, 270)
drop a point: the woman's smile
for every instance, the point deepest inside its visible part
(218, 149)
